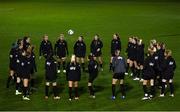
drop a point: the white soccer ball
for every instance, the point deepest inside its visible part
(70, 32)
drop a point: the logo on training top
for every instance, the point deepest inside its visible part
(171, 63)
(48, 63)
(72, 68)
(151, 64)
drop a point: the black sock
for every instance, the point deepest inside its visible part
(8, 81)
(132, 69)
(145, 89)
(76, 92)
(110, 66)
(127, 68)
(113, 89)
(152, 90)
(70, 92)
(83, 66)
(32, 82)
(91, 90)
(25, 91)
(17, 86)
(163, 87)
(15, 78)
(64, 65)
(135, 72)
(46, 90)
(101, 65)
(21, 85)
(138, 73)
(55, 91)
(160, 81)
(122, 89)
(171, 88)
(59, 65)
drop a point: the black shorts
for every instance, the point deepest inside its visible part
(25, 76)
(61, 55)
(140, 62)
(12, 66)
(73, 77)
(167, 76)
(50, 78)
(118, 76)
(158, 73)
(132, 58)
(97, 54)
(148, 77)
(32, 72)
(80, 55)
(92, 76)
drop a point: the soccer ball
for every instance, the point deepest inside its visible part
(70, 32)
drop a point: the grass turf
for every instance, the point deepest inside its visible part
(160, 20)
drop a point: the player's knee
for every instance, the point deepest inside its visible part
(171, 81)
(47, 83)
(163, 80)
(54, 84)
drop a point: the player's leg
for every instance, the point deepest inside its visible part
(114, 81)
(18, 81)
(55, 91)
(135, 69)
(127, 67)
(163, 87)
(171, 86)
(47, 90)
(141, 73)
(100, 62)
(76, 90)
(11, 76)
(152, 89)
(25, 88)
(59, 64)
(122, 88)
(77, 59)
(110, 64)
(83, 63)
(70, 83)
(90, 85)
(64, 64)
(145, 90)
(131, 66)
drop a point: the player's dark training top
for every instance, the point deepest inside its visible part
(73, 72)
(95, 45)
(61, 48)
(115, 45)
(45, 48)
(80, 49)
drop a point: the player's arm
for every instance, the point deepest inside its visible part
(91, 47)
(40, 49)
(75, 46)
(174, 66)
(66, 48)
(84, 48)
(55, 49)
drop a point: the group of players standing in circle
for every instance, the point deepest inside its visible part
(156, 67)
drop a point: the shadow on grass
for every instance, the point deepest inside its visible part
(128, 87)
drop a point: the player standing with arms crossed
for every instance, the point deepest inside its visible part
(96, 46)
(80, 51)
(61, 50)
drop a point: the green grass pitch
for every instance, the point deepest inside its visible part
(146, 19)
